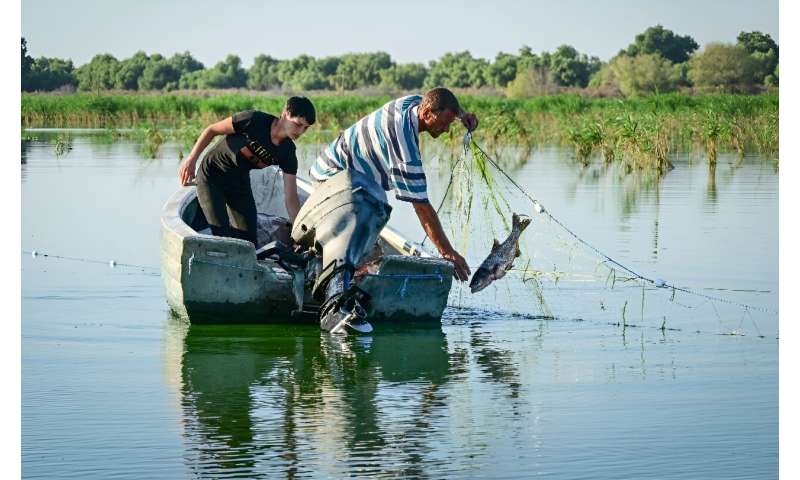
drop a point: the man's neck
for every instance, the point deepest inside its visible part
(277, 133)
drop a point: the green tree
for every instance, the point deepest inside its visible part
(48, 74)
(159, 74)
(642, 74)
(357, 70)
(664, 42)
(305, 73)
(225, 74)
(503, 70)
(409, 76)
(185, 64)
(129, 71)
(528, 59)
(459, 70)
(772, 79)
(192, 80)
(756, 42)
(723, 67)
(99, 74)
(570, 68)
(764, 51)
(531, 82)
(263, 75)
(27, 63)
(603, 77)
(680, 75)
(327, 66)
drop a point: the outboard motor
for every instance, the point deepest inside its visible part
(340, 222)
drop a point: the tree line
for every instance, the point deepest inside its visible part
(658, 60)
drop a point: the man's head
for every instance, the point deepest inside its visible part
(299, 114)
(437, 111)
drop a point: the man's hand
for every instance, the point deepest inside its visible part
(462, 270)
(186, 171)
(429, 220)
(469, 120)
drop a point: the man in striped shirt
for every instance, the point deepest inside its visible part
(384, 145)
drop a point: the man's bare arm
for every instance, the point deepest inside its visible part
(290, 195)
(430, 223)
(187, 167)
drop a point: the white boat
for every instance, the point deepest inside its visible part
(211, 279)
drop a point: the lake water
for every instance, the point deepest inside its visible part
(565, 379)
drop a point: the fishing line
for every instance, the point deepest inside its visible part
(193, 260)
(469, 314)
(110, 263)
(447, 190)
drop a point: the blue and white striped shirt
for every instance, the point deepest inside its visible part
(384, 145)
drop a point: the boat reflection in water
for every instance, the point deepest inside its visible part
(267, 400)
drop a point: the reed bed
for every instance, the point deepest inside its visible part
(639, 132)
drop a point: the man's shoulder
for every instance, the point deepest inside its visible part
(252, 116)
(265, 117)
(403, 103)
(409, 101)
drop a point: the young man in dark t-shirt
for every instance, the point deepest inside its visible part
(252, 140)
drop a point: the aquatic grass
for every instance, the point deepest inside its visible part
(712, 131)
(640, 142)
(639, 132)
(531, 280)
(765, 131)
(735, 135)
(586, 138)
(152, 141)
(62, 144)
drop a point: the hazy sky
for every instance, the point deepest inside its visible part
(409, 30)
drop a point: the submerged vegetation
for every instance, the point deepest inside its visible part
(640, 132)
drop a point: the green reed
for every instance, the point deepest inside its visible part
(62, 144)
(639, 132)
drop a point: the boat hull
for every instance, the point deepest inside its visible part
(211, 279)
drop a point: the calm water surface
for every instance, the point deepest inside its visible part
(112, 387)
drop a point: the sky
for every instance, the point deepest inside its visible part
(410, 31)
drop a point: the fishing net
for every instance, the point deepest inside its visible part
(562, 275)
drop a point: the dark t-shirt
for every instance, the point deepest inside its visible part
(250, 147)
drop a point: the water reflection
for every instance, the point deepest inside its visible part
(497, 364)
(265, 400)
(711, 186)
(261, 401)
(26, 145)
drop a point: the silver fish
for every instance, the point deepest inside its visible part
(501, 259)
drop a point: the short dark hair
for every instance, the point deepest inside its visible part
(441, 99)
(301, 107)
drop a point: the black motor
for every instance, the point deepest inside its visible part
(340, 222)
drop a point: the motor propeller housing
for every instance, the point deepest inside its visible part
(340, 222)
